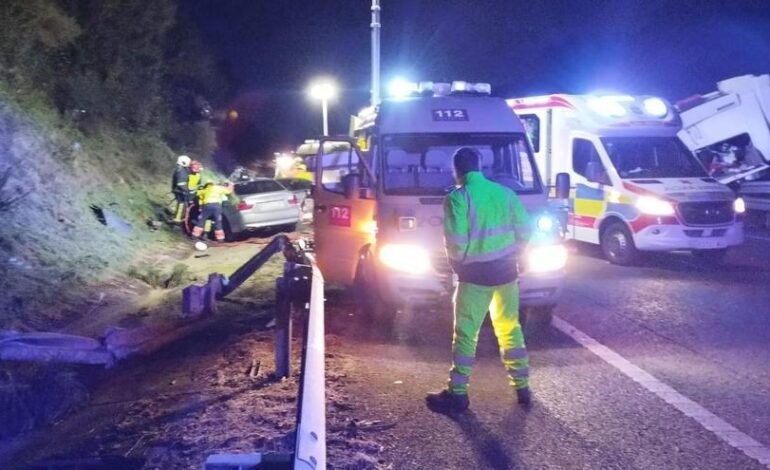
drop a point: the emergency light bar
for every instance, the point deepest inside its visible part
(623, 105)
(402, 89)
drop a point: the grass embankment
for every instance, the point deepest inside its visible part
(51, 243)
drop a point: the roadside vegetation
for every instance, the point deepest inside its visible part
(96, 100)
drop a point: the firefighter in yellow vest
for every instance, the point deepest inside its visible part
(211, 198)
(484, 226)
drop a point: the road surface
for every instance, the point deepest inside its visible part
(699, 337)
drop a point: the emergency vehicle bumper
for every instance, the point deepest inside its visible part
(398, 289)
(682, 237)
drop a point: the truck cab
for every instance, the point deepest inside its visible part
(379, 201)
(729, 129)
(637, 187)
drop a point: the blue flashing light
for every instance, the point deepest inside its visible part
(400, 88)
(655, 107)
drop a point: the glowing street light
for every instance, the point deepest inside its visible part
(323, 90)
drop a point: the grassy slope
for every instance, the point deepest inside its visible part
(50, 242)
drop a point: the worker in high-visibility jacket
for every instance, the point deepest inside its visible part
(485, 225)
(179, 185)
(211, 198)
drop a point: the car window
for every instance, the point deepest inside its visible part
(257, 187)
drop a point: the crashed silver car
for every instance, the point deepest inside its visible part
(260, 203)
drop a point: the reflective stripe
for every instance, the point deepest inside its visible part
(463, 361)
(459, 379)
(491, 256)
(513, 354)
(519, 373)
(478, 234)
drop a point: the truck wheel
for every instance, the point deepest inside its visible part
(618, 245)
(536, 320)
(710, 257)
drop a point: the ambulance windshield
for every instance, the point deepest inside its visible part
(652, 157)
(421, 164)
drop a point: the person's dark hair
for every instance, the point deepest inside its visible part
(466, 160)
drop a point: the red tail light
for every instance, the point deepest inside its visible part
(244, 206)
(293, 199)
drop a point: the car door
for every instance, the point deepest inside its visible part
(591, 181)
(343, 224)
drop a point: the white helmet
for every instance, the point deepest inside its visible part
(183, 160)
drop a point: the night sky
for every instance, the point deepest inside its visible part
(673, 48)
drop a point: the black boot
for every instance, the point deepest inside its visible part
(524, 396)
(447, 402)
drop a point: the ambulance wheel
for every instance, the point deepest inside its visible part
(369, 302)
(618, 245)
(710, 257)
(535, 320)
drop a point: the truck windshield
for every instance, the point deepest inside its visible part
(421, 164)
(652, 157)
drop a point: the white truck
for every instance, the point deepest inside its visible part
(636, 187)
(729, 129)
(379, 204)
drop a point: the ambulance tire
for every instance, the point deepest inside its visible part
(710, 257)
(536, 320)
(369, 302)
(618, 245)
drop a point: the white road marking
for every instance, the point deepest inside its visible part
(758, 237)
(722, 429)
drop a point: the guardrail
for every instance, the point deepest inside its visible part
(310, 449)
(301, 288)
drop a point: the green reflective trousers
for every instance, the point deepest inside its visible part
(471, 304)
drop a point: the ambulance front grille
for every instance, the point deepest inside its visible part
(706, 212)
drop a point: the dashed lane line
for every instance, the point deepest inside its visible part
(719, 427)
(758, 237)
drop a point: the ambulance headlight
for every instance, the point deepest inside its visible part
(653, 206)
(410, 259)
(655, 107)
(739, 206)
(545, 223)
(546, 258)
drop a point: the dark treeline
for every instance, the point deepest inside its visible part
(137, 65)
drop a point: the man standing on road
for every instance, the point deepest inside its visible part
(179, 186)
(484, 225)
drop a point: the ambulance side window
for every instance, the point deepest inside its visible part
(532, 127)
(586, 162)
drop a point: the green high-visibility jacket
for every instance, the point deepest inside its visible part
(484, 223)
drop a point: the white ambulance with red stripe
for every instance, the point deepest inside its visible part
(635, 186)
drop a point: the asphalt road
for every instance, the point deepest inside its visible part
(703, 332)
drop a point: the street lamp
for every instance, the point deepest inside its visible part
(324, 90)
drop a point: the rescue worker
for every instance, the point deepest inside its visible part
(179, 183)
(194, 179)
(484, 226)
(211, 198)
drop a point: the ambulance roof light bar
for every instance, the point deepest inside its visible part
(400, 88)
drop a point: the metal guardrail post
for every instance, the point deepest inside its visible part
(283, 324)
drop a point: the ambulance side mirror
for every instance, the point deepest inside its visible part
(563, 184)
(351, 185)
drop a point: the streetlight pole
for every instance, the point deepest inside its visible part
(324, 91)
(376, 26)
(325, 112)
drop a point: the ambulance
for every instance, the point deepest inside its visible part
(636, 187)
(379, 203)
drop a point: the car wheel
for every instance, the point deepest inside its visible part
(618, 245)
(536, 320)
(229, 235)
(710, 257)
